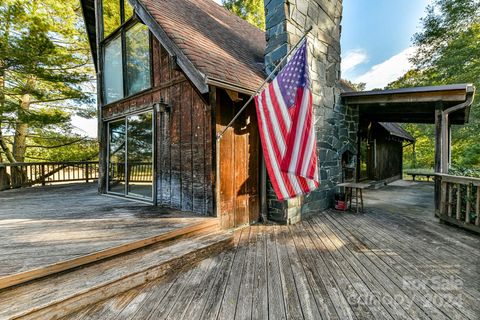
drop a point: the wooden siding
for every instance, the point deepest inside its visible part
(389, 159)
(183, 136)
(238, 164)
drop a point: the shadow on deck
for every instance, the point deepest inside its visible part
(394, 262)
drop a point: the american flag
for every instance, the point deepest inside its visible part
(285, 114)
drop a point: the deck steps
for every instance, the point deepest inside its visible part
(60, 294)
(168, 228)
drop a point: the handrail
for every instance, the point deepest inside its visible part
(16, 164)
(460, 201)
(25, 174)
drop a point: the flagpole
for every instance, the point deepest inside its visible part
(219, 136)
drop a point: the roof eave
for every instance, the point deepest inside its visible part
(228, 85)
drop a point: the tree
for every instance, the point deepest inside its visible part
(360, 86)
(448, 52)
(252, 11)
(45, 71)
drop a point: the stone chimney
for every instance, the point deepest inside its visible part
(336, 127)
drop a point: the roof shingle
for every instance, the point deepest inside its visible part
(219, 44)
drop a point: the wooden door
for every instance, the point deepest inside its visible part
(237, 164)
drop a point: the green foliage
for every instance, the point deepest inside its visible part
(45, 69)
(448, 52)
(465, 172)
(354, 86)
(252, 11)
(422, 156)
(49, 145)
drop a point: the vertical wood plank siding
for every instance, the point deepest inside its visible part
(183, 139)
(238, 164)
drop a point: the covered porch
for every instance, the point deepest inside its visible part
(442, 106)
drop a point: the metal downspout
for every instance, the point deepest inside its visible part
(445, 135)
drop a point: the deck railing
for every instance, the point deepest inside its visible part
(24, 174)
(460, 201)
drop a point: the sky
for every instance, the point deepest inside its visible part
(377, 39)
(376, 42)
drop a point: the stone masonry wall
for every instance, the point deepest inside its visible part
(335, 124)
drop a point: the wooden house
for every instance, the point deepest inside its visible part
(381, 151)
(171, 75)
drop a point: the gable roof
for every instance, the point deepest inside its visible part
(211, 45)
(396, 130)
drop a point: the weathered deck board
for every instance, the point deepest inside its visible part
(44, 226)
(381, 265)
(336, 265)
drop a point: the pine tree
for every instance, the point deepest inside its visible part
(45, 71)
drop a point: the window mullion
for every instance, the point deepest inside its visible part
(124, 64)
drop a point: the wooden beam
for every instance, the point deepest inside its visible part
(415, 97)
(233, 95)
(212, 99)
(102, 132)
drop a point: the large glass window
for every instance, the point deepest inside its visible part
(113, 72)
(131, 156)
(126, 73)
(138, 58)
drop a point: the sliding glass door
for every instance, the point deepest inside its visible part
(140, 155)
(131, 156)
(116, 167)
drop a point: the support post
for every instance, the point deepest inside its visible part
(438, 153)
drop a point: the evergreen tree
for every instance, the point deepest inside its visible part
(45, 72)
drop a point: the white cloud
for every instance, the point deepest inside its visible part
(383, 73)
(85, 126)
(353, 58)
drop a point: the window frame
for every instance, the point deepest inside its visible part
(121, 32)
(126, 194)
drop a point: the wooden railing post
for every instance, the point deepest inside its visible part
(469, 195)
(450, 199)
(443, 201)
(459, 201)
(42, 172)
(466, 202)
(477, 207)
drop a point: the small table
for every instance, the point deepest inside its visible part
(349, 186)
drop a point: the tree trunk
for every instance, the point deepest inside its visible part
(21, 128)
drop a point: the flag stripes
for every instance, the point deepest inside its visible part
(285, 115)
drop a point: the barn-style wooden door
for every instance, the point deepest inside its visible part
(237, 164)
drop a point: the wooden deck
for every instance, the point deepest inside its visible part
(381, 265)
(49, 229)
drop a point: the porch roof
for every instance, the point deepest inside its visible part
(411, 105)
